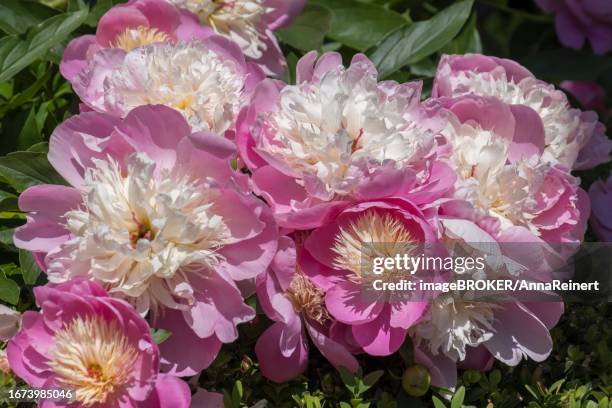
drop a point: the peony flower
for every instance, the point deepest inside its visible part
(457, 333)
(337, 134)
(207, 81)
(10, 320)
(153, 214)
(589, 93)
(99, 347)
(297, 307)
(578, 20)
(129, 26)
(573, 138)
(601, 199)
(513, 190)
(335, 255)
(250, 24)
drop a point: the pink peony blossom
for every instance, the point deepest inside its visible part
(590, 94)
(333, 259)
(601, 200)
(297, 307)
(129, 26)
(516, 195)
(573, 138)
(506, 331)
(95, 345)
(208, 81)
(336, 135)
(153, 213)
(579, 20)
(249, 23)
(10, 320)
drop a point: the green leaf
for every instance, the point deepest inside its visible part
(360, 25)
(8, 201)
(372, 378)
(414, 42)
(437, 403)
(566, 64)
(17, 53)
(468, 41)
(159, 335)
(237, 393)
(16, 16)
(9, 290)
(309, 29)
(458, 398)
(25, 169)
(31, 131)
(29, 267)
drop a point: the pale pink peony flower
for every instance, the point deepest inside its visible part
(579, 20)
(506, 331)
(129, 26)
(99, 347)
(297, 307)
(10, 321)
(601, 201)
(250, 24)
(516, 195)
(154, 215)
(590, 94)
(573, 138)
(336, 135)
(208, 81)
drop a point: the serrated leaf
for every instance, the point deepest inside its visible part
(359, 25)
(414, 42)
(25, 169)
(17, 52)
(29, 268)
(16, 16)
(309, 28)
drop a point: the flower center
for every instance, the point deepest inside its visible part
(189, 77)
(92, 357)
(307, 298)
(139, 37)
(453, 323)
(142, 234)
(372, 235)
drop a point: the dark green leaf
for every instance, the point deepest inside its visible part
(29, 267)
(565, 64)
(360, 25)
(31, 131)
(16, 16)
(25, 169)
(309, 29)
(468, 41)
(17, 53)
(9, 290)
(8, 201)
(414, 42)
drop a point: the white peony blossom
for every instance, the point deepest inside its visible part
(190, 78)
(140, 234)
(331, 130)
(563, 127)
(238, 20)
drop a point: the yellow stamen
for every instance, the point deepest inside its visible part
(92, 357)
